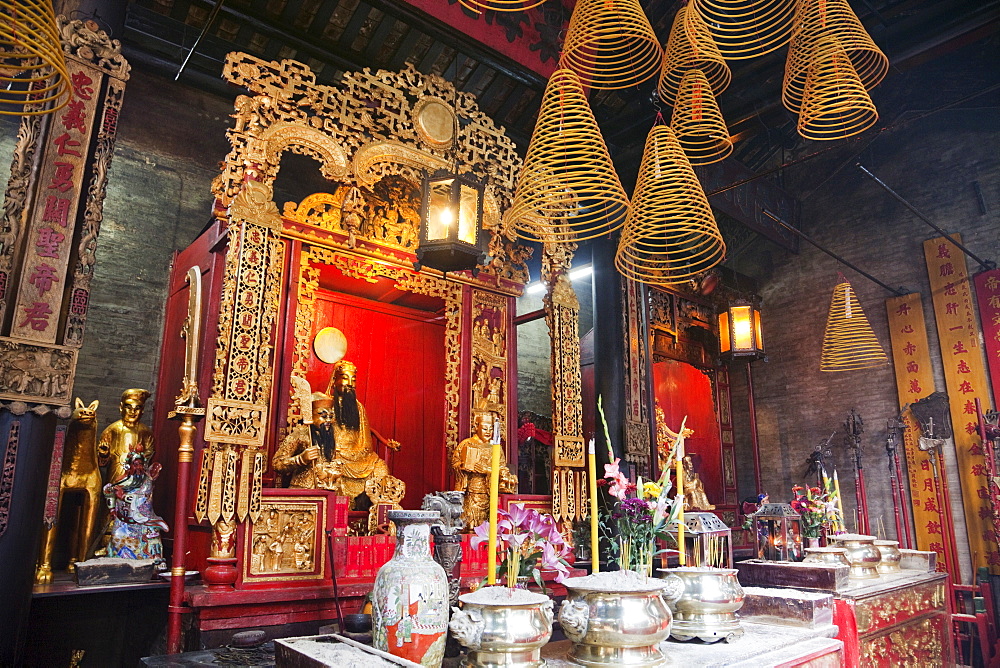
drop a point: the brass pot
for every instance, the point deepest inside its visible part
(862, 555)
(503, 634)
(835, 556)
(616, 628)
(891, 556)
(707, 605)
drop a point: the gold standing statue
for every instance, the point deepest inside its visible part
(125, 435)
(694, 489)
(470, 464)
(79, 474)
(337, 451)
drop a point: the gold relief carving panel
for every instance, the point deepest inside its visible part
(881, 611)
(39, 373)
(489, 352)
(235, 422)
(914, 645)
(286, 542)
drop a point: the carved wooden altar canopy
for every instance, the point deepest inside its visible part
(429, 347)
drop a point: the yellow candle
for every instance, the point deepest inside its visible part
(679, 467)
(491, 555)
(595, 555)
(840, 500)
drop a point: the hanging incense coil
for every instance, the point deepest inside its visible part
(747, 28)
(670, 234)
(568, 189)
(33, 74)
(690, 47)
(835, 103)
(815, 20)
(500, 5)
(610, 44)
(849, 343)
(698, 123)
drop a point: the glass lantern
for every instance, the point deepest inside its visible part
(451, 216)
(707, 540)
(779, 533)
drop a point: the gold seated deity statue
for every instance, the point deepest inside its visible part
(335, 449)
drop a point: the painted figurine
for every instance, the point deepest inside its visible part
(80, 474)
(337, 451)
(135, 528)
(125, 436)
(470, 464)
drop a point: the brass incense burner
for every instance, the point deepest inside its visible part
(707, 606)
(891, 556)
(862, 555)
(826, 555)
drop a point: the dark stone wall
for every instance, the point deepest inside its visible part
(929, 157)
(170, 140)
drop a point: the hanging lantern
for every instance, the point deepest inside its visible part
(451, 216)
(816, 19)
(849, 342)
(33, 74)
(697, 122)
(740, 332)
(670, 234)
(568, 190)
(610, 44)
(690, 47)
(779, 533)
(747, 28)
(500, 5)
(835, 103)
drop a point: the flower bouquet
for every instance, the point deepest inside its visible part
(636, 521)
(814, 508)
(532, 543)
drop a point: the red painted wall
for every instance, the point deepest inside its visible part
(682, 389)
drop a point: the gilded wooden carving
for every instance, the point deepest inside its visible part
(890, 608)
(914, 645)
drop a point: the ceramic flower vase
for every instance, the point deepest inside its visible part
(410, 596)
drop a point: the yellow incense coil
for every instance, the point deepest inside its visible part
(835, 103)
(698, 123)
(568, 189)
(33, 74)
(670, 234)
(690, 47)
(849, 343)
(500, 5)
(610, 44)
(747, 28)
(818, 19)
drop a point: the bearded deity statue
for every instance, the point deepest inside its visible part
(334, 449)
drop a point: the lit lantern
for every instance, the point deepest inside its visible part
(451, 216)
(739, 331)
(779, 533)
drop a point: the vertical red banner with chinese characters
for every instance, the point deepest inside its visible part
(53, 218)
(911, 360)
(965, 379)
(988, 297)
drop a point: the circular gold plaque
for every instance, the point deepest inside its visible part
(330, 345)
(435, 122)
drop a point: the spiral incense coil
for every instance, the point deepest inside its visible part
(568, 189)
(835, 103)
(816, 19)
(610, 44)
(33, 72)
(849, 343)
(747, 28)
(670, 234)
(500, 5)
(698, 123)
(690, 47)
